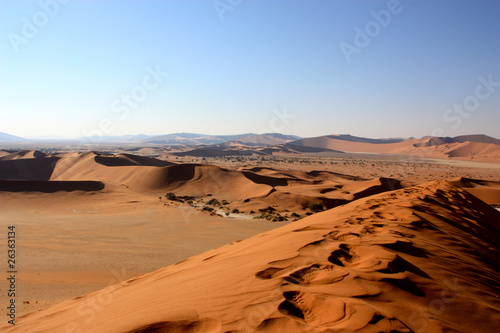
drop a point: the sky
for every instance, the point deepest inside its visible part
(74, 68)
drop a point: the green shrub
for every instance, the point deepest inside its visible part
(316, 207)
(170, 196)
(213, 202)
(271, 217)
(235, 211)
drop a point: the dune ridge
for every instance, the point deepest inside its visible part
(247, 188)
(466, 147)
(419, 259)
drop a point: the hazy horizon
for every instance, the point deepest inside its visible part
(62, 138)
(373, 69)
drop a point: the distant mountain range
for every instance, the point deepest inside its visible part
(9, 137)
(200, 139)
(177, 139)
(476, 146)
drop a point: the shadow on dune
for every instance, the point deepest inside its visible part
(179, 173)
(260, 179)
(49, 186)
(129, 160)
(28, 169)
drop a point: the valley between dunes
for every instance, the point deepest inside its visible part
(385, 255)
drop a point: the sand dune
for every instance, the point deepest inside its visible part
(49, 186)
(238, 149)
(477, 147)
(28, 168)
(20, 154)
(465, 147)
(215, 152)
(477, 138)
(488, 191)
(420, 259)
(248, 189)
(349, 143)
(268, 139)
(474, 150)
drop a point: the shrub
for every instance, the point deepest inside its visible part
(208, 209)
(295, 215)
(224, 202)
(316, 207)
(235, 211)
(213, 202)
(271, 217)
(170, 196)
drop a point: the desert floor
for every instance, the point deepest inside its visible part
(69, 244)
(410, 168)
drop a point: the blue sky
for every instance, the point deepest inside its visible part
(72, 68)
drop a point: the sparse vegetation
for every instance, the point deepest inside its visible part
(170, 196)
(316, 207)
(213, 202)
(271, 217)
(207, 209)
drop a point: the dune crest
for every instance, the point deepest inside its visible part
(420, 259)
(249, 189)
(465, 147)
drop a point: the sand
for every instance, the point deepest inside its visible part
(72, 243)
(388, 254)
(422, 259)
(466, 147)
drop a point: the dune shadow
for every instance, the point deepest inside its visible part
(47, 186)
(28, 168)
